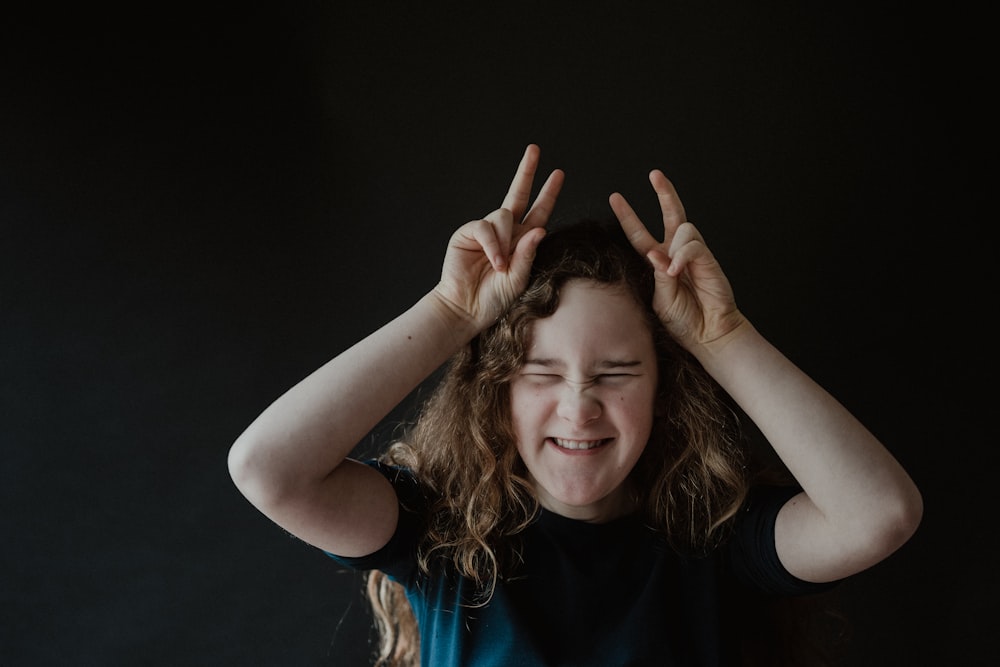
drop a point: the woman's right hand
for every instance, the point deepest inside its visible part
(488, 261)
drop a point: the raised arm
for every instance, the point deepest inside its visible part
(858, 505)
(291, 462)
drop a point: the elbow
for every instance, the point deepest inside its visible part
(861, 537)
(238, 463)
(909, 515)
(250, 472)
(895, 523)
(267, 475)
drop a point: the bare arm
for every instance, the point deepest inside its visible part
(858, 504)
(291, 462)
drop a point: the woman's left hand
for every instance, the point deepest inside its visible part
(693, 297)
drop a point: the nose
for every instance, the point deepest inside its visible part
(577, 405)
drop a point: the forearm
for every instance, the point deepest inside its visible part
(307, 432)
(859, 497)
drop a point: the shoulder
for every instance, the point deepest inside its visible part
(398, 556)
(412, 494)
(751, 551)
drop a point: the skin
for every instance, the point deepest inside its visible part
(858, 505)
(590, 378)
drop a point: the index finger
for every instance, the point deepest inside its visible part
(519, 192)
(634, 229)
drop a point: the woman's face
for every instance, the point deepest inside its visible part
(582, 404)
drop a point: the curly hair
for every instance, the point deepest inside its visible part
(689, 481)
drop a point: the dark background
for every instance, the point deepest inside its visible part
(201, 204)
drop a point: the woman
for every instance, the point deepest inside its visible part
(575, 491)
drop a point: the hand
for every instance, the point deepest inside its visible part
(488, 261)
(693, 297)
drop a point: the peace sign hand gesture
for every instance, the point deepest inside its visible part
(693, 297)
(488, 261)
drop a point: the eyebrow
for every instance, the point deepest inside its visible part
(601, 365)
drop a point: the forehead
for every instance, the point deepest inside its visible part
(593, 318)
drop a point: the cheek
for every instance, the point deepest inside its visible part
(636, 408)
(527, 406)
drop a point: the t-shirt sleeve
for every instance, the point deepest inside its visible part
(398, 557)
(752, 551)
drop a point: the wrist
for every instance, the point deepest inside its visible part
(456, 321)
(717, 349)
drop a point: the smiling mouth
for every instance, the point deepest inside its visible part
(579, 444)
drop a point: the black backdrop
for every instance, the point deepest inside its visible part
(200, 204)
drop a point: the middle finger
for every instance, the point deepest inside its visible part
(516, 200)
(541, 209)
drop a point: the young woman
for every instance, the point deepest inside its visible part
(576, 491)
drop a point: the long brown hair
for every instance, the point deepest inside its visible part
(690, 480)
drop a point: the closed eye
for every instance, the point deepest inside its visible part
(603, 378)
(542, 380)
(614, 377)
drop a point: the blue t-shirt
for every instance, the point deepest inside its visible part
(601, 595)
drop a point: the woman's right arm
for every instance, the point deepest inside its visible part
(292, 461)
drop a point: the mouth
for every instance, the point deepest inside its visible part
(579, 445)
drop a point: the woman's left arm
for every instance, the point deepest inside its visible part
(858, 504)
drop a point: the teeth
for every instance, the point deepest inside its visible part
(577, 444)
